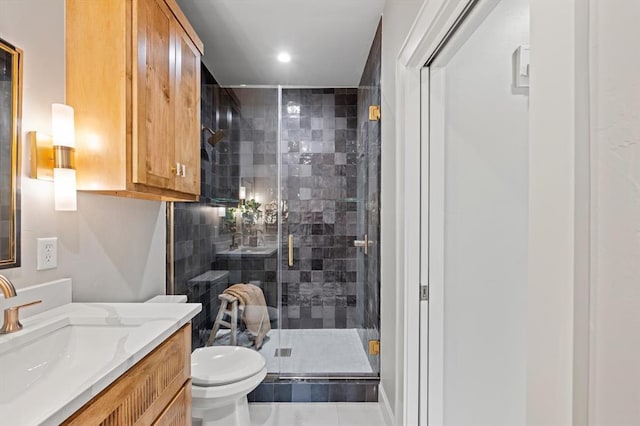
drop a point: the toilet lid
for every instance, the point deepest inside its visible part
(221, 365)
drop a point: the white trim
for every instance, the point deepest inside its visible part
(435, 359)
(424, 390)
(385, 407)
(433, 21)
(554, 128)
(584, 207)
(551, 297)
(411, 244)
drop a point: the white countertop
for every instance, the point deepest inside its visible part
(67, 355)
(249, 251)
(209, 277)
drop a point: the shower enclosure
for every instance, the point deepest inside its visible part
(290, 204)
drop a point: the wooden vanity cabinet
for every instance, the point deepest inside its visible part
(155, 391)
(133, 78)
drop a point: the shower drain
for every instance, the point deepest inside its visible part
(283, 352)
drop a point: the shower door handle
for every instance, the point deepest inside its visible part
(363, 243)
(290, 249)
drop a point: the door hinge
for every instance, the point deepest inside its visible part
(424, 292)
(374, 347)
(374, 113)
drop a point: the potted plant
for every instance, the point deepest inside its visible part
(251, 215)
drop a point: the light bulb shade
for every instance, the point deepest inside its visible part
(284, 57)
(64, 189)
(62, 125)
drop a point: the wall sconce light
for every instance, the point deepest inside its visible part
(53, 157)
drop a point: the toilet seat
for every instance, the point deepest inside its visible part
(222, 365)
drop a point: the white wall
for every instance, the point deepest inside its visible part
(484, 124)
(397, 17)
(113, 249)
(615, 138)
(555, 120)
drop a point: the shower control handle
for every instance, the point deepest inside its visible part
(290, 249)
(363, 243)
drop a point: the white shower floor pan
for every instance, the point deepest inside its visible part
(312, 351)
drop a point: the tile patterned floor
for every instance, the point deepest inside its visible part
(316, 414)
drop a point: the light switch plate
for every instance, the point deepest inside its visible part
(521, 64)
(47, 257)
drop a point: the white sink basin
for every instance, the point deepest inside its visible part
(254, 249)
(66, 356)
(54, 356)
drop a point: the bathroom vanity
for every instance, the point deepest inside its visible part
(157, 390)
(112, 363)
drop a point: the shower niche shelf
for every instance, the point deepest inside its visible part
(133, 77)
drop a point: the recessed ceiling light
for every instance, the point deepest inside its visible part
(284, 57)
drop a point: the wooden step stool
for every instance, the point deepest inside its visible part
(226, 300)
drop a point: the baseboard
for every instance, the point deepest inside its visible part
(385, 407)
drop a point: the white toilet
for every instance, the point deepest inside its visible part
(221, 378)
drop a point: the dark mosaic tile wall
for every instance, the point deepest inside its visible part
(197, 231)
(319, 157)
(197, 226)
(262, 270)
(220, 167)
(259, 142)
(247, 154)
(369, 149)
(330, 156)
(316, 391)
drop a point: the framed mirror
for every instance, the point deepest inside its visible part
(10, 123)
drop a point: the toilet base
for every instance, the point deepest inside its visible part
(230, 413)
(224, 405)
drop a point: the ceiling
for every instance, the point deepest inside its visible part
(328, 40)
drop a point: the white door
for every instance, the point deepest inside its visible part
(475, 202)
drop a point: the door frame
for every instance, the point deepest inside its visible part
(434, 20)
(557, 380)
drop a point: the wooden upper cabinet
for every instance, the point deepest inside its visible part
(153, 156)
(187, 112)
(133, 77)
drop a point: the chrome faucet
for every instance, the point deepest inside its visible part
(11, 315)
(235, 245)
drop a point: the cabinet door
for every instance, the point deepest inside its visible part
(187, 113)
(153, 153)
(178, 412)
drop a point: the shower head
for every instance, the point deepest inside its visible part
(216, 135)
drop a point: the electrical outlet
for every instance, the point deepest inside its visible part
(47, 253)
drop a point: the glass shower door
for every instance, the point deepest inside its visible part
(329, 300)
(368, 219)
